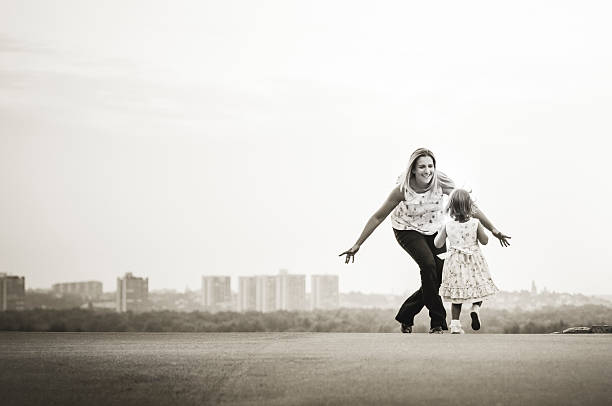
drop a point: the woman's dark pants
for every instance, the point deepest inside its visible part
(422, 249)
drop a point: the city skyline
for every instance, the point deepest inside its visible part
(235, 281)
(261, 293)
(285, 292)
(531, 287)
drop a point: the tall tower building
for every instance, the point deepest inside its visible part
(12, 292)
(89, 289)
(324, 292)
(132, 293)
(290, 291)
(216, 293)
(247, 299)
(265, 293)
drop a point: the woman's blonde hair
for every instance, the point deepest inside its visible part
(460, 205)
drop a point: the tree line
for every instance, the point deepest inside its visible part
(546, 320)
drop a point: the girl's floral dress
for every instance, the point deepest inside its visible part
(465, 277)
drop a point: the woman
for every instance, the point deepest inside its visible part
(416, 208)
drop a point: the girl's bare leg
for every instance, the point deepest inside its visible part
(455, 311)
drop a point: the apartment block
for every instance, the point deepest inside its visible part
(265, 293)
(132, 293)
(89, 289)
(12, 292)
(216, 293)
(290, 291)
(324, 292)
(247, 299)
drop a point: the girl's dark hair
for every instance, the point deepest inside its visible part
(459, 205)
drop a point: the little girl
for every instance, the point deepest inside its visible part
(465, 276)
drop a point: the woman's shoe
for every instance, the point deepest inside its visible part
(436, 330)
(406, 328)
(475, 315)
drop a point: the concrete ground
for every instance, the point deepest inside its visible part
(304, 368)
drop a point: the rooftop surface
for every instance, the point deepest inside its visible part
(304, 368)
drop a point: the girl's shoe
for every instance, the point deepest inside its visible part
(456, 330)
(475, 315)
(455, 327)
(406, 328)
(436, 330)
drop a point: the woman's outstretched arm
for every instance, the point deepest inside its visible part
(503, 239)
(381, 214)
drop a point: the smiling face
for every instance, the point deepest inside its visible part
(423, 170)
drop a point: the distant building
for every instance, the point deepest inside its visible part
(216, 293)
(89, 290)
(265, 293)
(290, 291)
(324, 292)
(12, 292)
(132, 293)
(247, 299)
(268, 293)
(534, 290)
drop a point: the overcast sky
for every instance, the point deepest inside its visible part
(180, 139)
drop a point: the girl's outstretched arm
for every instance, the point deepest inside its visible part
(503, 239)
(393, 200)
(440, 237)
(483, 238)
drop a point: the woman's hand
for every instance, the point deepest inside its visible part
(503, 239)
(350, 253)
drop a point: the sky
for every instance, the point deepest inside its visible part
(180, 139)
